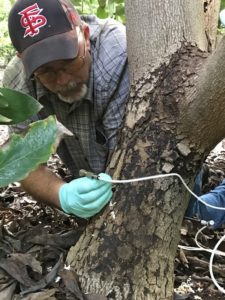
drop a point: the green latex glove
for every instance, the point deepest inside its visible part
(85, 197)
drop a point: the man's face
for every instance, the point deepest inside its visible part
(68, 78)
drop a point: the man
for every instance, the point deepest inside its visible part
(215, 200)
(77, 69)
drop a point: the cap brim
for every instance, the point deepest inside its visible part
(56, 47)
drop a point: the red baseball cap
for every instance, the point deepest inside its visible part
(39, 31)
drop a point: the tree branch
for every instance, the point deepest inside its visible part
(202, 116)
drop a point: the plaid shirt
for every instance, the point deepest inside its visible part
(95, 120)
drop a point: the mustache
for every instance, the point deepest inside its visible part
(71, 97)
(70, 86)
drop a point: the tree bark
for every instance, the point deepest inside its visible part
(128, 251)
(156, 29)
(211, 12)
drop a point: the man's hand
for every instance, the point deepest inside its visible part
(85, 197)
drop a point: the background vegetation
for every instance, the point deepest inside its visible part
(222, 5)
(6, 49)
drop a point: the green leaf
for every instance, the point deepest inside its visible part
(101, 13)
(17, 106)
(120, 11)
(4, 120)
(222, 4)
(3, 102)
(102, 3)
(21, 155)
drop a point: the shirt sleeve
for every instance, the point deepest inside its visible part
(115, 111)
(215, 198)
(14, 78)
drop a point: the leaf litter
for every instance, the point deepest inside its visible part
(192, 276)
(35, 240)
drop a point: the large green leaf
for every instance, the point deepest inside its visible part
(102, 13)
(222, 4)
(21, 155)
(16, 107)
(102, 3)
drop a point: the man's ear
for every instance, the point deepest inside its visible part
(18, 54)
(86, 32)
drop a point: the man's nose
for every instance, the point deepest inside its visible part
(62, 77)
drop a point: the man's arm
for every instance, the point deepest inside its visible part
(215, 197)
(43, 185)
(83, 197)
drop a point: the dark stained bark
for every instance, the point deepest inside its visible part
(127, 252)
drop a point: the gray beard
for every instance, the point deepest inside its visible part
(71, 99)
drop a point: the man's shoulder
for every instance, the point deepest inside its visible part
(13, 67)
(106, 32)
(109, 54)
(108, 43)
(14, 75)
(96, 23)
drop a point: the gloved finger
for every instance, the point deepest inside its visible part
(88, 184)
(75, 203)
(98, 201)
(94, 195)
(108, 197)
(93, 208)
(104, 176)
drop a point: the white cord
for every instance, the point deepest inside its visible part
(212, 251)
(196, 238)
(200, 247)
(101, 177)
(221, 289)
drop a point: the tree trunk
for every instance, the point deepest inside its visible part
(128, 251)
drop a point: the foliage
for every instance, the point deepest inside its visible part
(22, 154)
(16, 107)
(222, 4)
(102, 8)
(6, 48)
